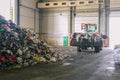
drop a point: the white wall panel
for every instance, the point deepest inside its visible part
(115, 14)
(29, 16)
(114, 28)
(29, 3)
(37, 22)
(114, 3)
(25, 22)
(114, 31)
(55, 22)
(55, 25)
(84, 18)
(61, 23)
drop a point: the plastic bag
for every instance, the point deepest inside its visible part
(116, 56)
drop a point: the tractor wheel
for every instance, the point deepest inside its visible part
(79, 49)
(97, 49)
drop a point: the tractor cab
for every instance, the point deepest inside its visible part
(90, 38)
(90, 28)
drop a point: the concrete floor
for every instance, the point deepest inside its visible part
(80, 66)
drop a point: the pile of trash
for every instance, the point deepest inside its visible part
(116, 55)
(20, 47)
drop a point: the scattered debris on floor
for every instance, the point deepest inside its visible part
(116, 55)
(22, 47)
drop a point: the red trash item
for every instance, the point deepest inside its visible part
(3, 59)
(105, 42)
(11, 58)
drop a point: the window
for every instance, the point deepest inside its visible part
(91, 2)
(55, 4)
(72, 3)
(47, 4)
(63, 3)
(100, 1)
(82, 2)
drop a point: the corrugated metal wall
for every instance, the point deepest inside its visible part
(55, 23)
(115, 8)
(85, 18)
(54, 26)
(51, 19)
(29, 16)
(114, 23)
(114, 3)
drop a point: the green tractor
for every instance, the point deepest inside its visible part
(89, 39)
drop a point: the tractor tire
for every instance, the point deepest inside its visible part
(79, 49)
(97, 49)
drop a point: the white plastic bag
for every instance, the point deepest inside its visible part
(116, 56)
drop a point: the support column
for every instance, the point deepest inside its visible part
(107, 12)
(34, 20)
(99, 18)
(17, 12)
(72, 19)
(40, 21)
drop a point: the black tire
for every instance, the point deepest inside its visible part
(97, 49)
(73, 42)
(79, 49)
(101, 48)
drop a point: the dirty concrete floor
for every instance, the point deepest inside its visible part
(80, 66)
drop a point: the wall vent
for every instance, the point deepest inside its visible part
(69, 3)
(63, 4)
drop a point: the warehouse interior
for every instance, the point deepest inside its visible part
(45, 28)
(36, 18)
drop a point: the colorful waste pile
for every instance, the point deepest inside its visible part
(22, 47)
